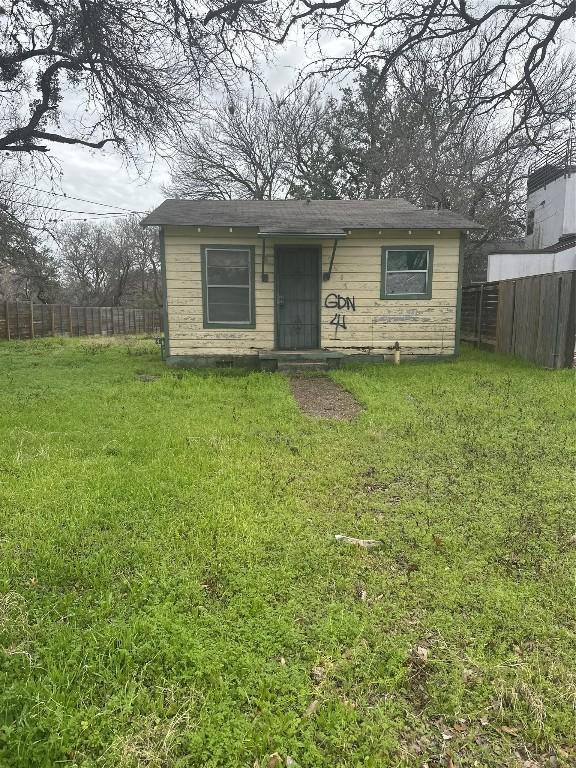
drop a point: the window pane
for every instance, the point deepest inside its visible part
(229, 313)
(227, 258)
(228, 276)
(398, 260)
(230, 305)
(405, 282)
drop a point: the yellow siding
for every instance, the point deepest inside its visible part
(423, 327)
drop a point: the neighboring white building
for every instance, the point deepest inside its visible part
(551, 221)
(507, 266)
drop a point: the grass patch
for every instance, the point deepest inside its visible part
(171, 593)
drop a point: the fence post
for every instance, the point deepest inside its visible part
(31, 319)
(52, 324)
(480, 308)
(17, 321)
(556, 354)
(512, 349)
(7, 310)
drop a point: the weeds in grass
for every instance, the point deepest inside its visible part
(14, 630)
(155, 741)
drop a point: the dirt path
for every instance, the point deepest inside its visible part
(321, 397)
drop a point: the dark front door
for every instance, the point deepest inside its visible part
(298, 296)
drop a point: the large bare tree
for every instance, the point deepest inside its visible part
(130, 69)
(135, 65)
(247, 147)
(413, 135)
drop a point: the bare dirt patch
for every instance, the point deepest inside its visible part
(321, 397)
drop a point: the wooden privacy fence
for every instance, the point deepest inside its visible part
(24, 320)
(479, 313)
(530, 317)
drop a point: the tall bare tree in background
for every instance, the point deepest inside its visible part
(103, 264)
(27, 270)
(109, 264)
(247, 147)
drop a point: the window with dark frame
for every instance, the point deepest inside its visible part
(406, 272)
(228, 285)
(530, 222)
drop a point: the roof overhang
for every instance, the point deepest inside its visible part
(302, 233)
(320, 219)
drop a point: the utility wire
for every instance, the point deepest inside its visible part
(66, 210)
(71, 197)
(102, 216)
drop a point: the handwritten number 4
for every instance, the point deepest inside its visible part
(339, 321)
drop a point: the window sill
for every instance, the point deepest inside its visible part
(406, 297)
(231, 326)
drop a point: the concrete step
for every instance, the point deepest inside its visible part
(302, 366)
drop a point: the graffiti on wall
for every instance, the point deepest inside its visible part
(416, 315)
(338, 302)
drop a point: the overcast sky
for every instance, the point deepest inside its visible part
(104, 177)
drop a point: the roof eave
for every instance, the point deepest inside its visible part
(301, 233)
(148, 221)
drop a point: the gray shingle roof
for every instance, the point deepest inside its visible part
(300, 216)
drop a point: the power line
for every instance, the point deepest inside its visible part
(67, 210)
(101, 215)
(71, 197)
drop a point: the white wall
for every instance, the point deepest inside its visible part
(569, 227)
(506, 266)
(554, 209)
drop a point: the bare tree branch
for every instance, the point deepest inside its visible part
(245, 148)
(135, 65)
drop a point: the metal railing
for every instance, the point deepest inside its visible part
(552, 164)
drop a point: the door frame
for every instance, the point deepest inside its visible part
(277, 248)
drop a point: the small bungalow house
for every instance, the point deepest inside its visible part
(257, 282)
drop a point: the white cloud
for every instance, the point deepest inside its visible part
(105, 177)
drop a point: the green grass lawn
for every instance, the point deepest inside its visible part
(171, 593)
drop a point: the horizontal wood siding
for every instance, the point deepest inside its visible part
(364, 323)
